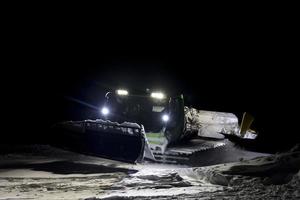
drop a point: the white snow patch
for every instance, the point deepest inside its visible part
(152, 181)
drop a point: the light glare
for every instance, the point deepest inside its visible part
(122, 92)
(105, 111)
(165, 117)
(157, 95)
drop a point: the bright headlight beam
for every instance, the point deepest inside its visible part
(157, 95)
(165, 118)
(122, 92)
(105, 111)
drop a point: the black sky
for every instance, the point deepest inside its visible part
(219, 70)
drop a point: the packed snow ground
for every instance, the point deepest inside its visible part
(43, 172)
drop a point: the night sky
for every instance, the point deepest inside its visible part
(234, 74)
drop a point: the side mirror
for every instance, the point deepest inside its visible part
(107, 95)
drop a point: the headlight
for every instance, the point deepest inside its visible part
(165, 118)
(122, 92)
(105, 111)
(157, 95)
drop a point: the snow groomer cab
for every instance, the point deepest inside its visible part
(161, 115)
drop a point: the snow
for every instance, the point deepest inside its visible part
(209, 123)
(51, 173)
(108, 122)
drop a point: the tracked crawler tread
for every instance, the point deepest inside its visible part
(191, 152)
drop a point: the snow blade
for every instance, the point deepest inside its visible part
(123, 142)
(246, 123)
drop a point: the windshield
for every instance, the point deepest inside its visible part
(139, 109)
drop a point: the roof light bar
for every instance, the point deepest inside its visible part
(157, 95)
(122, 92)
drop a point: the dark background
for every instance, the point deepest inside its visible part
(251, 70)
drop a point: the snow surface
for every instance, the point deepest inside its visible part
(44, 172)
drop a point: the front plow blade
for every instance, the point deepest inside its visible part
(123, 142)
